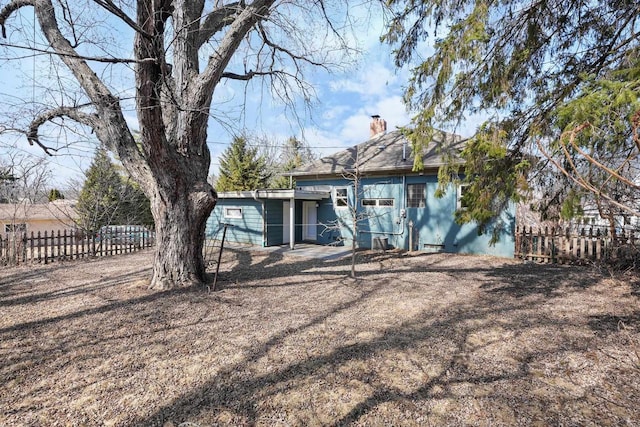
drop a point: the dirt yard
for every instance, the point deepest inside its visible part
(428, 339)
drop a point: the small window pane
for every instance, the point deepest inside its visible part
(15, 228)
(233, 213)
(341, 197)
(385, 202)
(368, 202)
(416, 195)
(462, 190)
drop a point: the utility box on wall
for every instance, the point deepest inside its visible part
(380, 243)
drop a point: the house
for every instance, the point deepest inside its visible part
(38, 217)
(394, 206)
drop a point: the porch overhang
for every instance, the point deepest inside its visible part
(293, 194)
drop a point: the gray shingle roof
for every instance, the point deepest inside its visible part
(387, 152)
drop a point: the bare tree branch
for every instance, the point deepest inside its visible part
(609, 171)
(217, 20)
(112, 8)
(219, 60)
(82, 57)
(71, 112)
(9, 9)
(579, 180)
(277, 48)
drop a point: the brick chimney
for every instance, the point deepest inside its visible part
(378, 125)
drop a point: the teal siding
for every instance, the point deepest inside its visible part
(434, 225)
(248, 229)
(274, 220)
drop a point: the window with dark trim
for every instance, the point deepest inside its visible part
(382, 203)
(15, 228)
(416, 196)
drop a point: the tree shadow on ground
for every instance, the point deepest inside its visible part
(545, 280)
(18, 275)
(270, 266)
(606, 324)
(109, 306)
(240, 387)
(240, 394)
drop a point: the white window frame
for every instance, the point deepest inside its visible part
(424, 195)
(377, 203)
(337, 199)
(460, 190)
(229, 212)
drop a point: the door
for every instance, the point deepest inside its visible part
(309, 221)
(286, 228)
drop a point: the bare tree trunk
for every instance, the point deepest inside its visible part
(169, 157)
(180, 234)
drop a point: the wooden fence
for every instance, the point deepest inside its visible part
(21, 248)
(566, 245)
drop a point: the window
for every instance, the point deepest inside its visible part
(233, 213)
(341, 200)
(15, 228)
(462, 190)
(416, 195)
(383, 203)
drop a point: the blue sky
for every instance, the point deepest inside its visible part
(339, 116)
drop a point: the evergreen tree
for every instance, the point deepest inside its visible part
(100, 195)
(241, 168)
(109, 198)
(134, 207)
(295, 153)
(55, 194)
(559, 81)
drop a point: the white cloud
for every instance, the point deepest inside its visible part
(355, 129)
(373, 80)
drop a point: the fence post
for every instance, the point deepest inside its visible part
(46, 248)
(23, 247)
(64, 249)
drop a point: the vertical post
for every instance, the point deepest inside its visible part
(77, 242)
(46, 247)
(23, 248)
(292, 222)
(215, 278)
(31, 248)
(64, 243)
(410, 235)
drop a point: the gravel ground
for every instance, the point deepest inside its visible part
(426, 339)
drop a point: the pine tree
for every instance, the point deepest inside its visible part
(559, 83)
(100, 195)
(55, 194)
(241, 168)
(295, 153)
(134, 207)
